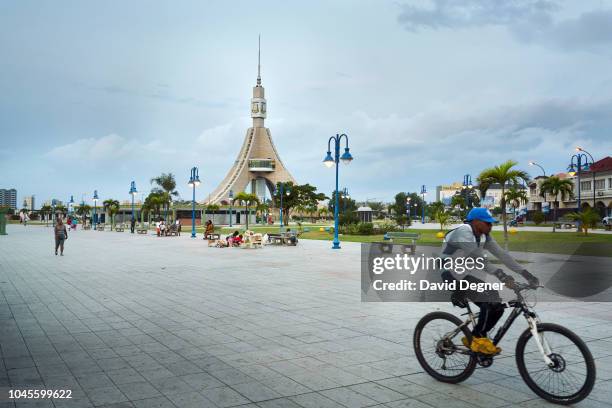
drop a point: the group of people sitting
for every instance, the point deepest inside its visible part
(233, 240)
(162, 229)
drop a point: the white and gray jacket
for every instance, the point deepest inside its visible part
(462, 242)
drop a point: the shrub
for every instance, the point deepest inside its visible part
(538, 217)
(366, 228)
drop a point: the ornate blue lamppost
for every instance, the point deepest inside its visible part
(423, 193)
(467, 189)
(578, 163)
(194, 180)
(329, 162)
(580, 149)
(133, 193)
(71, 205)
(231, 197)
(95, 215)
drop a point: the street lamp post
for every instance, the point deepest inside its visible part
(580, 149)
(408, 210)
(133, 193)
(329, 162)
(231, 197)
(71, 205)
(532, 163)
(575, 168)
(467, 189)
(423, 193)
(95, 215)
(194, 180)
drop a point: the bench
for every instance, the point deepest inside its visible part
(283, 238)
(86, 227)
(100, 227)
(170, 230)
(142, 230)
(402, 238)
(564, 225)
(119, 228)
(214, 236)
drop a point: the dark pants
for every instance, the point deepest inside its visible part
(59, 243)
(489, 302)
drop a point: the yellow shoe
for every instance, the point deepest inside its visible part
(483, 345)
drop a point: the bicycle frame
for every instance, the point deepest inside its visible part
(518, 307)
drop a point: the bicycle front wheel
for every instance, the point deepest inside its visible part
(570, 378)
(439, 349)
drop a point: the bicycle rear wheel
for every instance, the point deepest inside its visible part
(439, 350)
(572, 376)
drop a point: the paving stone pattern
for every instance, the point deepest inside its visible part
(128, 320)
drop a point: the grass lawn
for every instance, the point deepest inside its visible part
(524, 241)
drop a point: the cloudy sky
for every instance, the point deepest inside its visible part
(96, 94)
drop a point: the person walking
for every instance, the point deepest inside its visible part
(61, 235)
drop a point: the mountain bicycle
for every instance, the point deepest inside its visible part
(552, 360)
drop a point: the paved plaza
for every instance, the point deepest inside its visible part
(128, 320)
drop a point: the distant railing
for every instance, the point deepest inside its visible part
(261, 164)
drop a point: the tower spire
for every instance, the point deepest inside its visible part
(259, 60)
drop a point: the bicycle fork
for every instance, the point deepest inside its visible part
(540, 341)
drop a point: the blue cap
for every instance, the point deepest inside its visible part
(480, 213)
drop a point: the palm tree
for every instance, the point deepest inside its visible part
(556, 186)
(212, 208)
(46, 210)
(323, 213)
(435, 207)
(515, 197)
(503, 174)
(165, 183)
(247, 199)
(82, 211)
(442, 217)
(588, 218)
(111, 207)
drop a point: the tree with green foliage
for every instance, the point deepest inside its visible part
(458, 202)
(400, 209)
(165, 183)
(538, 217)
(555, 186)
(246, 199)
(504, 174)
(442, 217)
(515, 197)
(111, 207)
(435, 207)
(83, 211)
(296, 194)
(46, 211)
(587, 218)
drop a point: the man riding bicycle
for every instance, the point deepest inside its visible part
(470, 240)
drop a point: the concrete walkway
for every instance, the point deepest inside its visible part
(138, 321)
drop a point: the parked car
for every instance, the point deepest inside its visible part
(607, 220)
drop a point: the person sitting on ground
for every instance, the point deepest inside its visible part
(230, 239)
(238, 240)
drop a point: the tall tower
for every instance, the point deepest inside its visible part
(258, 166)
